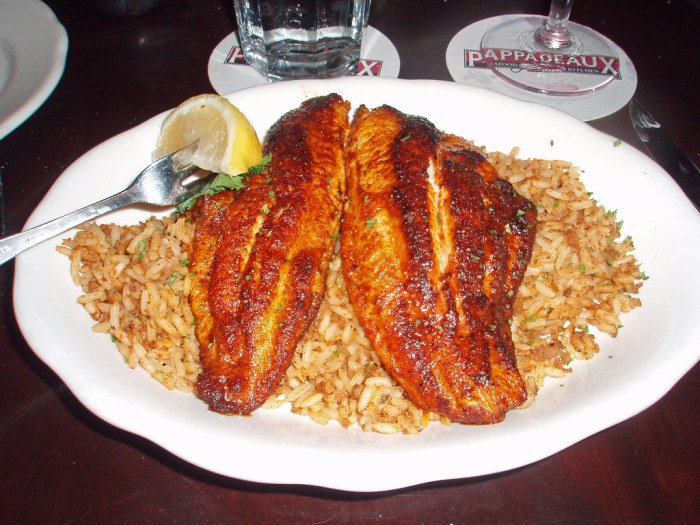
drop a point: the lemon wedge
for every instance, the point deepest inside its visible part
(226, 141)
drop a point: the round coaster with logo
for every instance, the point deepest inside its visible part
(228, 70)
(468, 65)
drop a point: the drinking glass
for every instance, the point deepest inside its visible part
(551, 55)
(284, 39)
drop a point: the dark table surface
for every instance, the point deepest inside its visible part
(61, 464)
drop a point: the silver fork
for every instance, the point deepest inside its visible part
(160, 184)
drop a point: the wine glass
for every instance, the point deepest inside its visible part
(551, 55)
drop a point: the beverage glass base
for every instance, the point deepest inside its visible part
(588, 63)
(305, 39)
(290, 60)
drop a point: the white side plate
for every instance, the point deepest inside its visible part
(33, 49)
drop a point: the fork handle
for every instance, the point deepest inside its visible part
(13, 245)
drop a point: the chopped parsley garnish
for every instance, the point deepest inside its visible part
(258, 168)
(224, 182)
(371, 222)
(142, 245)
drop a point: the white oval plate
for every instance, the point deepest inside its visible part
(658, 344)
(33, 49)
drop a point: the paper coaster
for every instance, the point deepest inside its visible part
(590, 106)
(228, 70)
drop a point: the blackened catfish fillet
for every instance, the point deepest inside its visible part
(260, 257)
(434, 246)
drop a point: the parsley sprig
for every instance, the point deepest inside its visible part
(224, 182)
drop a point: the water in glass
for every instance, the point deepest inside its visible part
(303, 38)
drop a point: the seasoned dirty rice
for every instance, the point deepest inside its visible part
(135, 284)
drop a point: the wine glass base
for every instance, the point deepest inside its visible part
(588, 63)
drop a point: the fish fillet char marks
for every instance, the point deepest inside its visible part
(260, 257)
(434, 246)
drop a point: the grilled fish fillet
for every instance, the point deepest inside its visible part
(434, 247)
(260, 257)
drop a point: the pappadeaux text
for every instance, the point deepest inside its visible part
(516, 59)
(365, 67)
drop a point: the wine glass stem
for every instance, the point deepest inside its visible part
(554, 33)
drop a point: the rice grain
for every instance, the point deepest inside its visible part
(135, 282)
